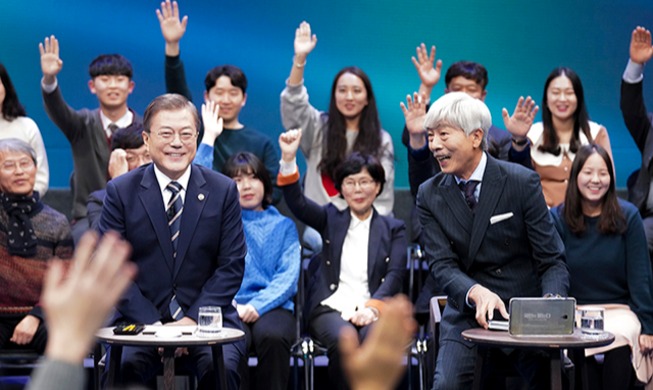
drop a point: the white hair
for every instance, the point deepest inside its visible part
(458, 109)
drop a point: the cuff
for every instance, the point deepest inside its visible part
(376, 304)
(284, 180)
(49, 88)
(634, 72)
(420, 154)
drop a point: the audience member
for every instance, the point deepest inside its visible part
(265, 299)
(193, 249)
(30, 234)
(88, 131)
(351, 125)
(77, 304)
(128, 152)
(462, 76)
(640, 126)
(364, 256)
(609, 266)
(226, 85)
(549, 146)
(14, 123)
(488, 237)
(377, 364)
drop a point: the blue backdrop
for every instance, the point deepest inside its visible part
(519, 43)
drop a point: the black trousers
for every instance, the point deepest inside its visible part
(270, 338)
(8, 324)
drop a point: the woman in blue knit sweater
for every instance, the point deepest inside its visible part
(609, 266)
(265, 298)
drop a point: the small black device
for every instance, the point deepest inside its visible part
(128, 329)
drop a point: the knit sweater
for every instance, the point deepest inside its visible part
(611, 268)
(272, 261)
(25, 129)
(21, 278)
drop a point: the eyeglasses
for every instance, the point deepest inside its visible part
(11, 166)
(185, 136)
(364, 184)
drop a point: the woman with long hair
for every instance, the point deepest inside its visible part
(351, 125)
(14, 123)
(609, 266)
(549, 147)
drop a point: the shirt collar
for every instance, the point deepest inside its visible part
(164, 180)
(355, 222)
(123, 121)
(478, 172)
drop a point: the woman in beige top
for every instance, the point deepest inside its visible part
(549, 147)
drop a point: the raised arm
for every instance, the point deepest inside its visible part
(518, 126)
(427, 72)
(304, 44)
(172, 28)
(414, 112)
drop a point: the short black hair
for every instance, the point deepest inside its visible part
(247, 163)
(130, 137)
(354, 164)
(110, 65)
(234, 73)
(469, 70)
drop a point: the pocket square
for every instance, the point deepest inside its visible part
(500, 217)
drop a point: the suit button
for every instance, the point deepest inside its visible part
(328, 262)
(498, 271)
(387, 259)
(327, 241)
(506, 242)
(382, 280)
(332, 287)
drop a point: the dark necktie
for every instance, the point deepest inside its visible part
(173, 212)
(468, 188)
(112, 127)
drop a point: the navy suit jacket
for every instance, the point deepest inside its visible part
(211, 250)
(386, 258)
(640, 126)
(521, 255)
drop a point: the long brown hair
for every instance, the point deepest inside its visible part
(611, 220)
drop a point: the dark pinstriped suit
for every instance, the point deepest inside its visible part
(518, 256)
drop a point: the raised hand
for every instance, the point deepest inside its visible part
(118, 164)
(213, 124)
(640, 45)
(51, 64)
(289, 143)
(377, 363)
(486, 302)
(428, 74)
(78, 303)
(414, 111)
(172, 28)
(304, 41)
(522, 118)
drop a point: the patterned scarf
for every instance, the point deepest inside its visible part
(21, 239)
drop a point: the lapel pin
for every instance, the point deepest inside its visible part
(200, 197)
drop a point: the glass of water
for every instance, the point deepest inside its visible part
(209, 321)
(591, 320)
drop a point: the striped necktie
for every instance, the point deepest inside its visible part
(173, 212)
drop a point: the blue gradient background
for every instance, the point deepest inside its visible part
(519, 43)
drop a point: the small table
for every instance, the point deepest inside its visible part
(552, 344)
(187, 339)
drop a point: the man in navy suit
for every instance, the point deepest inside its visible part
(488, 237)
(202, 266)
